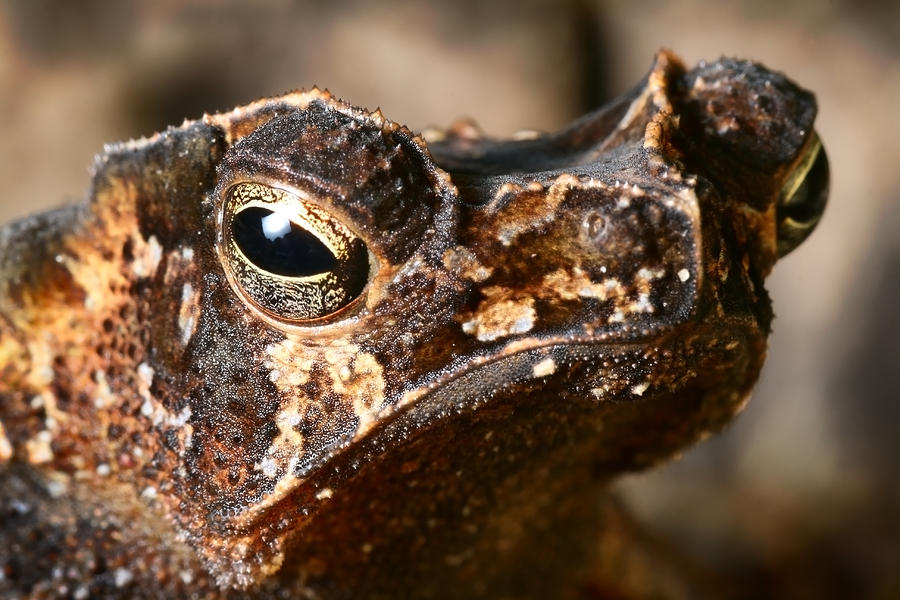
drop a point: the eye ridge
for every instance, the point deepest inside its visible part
(285, 249)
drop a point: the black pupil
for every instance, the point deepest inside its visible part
(279, 246)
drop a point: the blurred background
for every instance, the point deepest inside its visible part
(805, 486)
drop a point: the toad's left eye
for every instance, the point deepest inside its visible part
(274, 243)
(288, 257)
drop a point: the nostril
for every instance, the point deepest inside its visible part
(595, 226)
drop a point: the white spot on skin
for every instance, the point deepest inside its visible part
(57, 488)
(122, 577)
(6, 450)
(149, 492)
(642, 304)
(145, 372)
(505, 189)
(103, 470)
(465, 263)
(150, 408)
(269, 467)
(684, 275)
(145, 263)
(104, 395)
(187, 253)
(646, 274)
(640, 388)
(365, 387)
(147, 408)
(524, 323)
(38, 448)
(544, 368)
(499, 316)
(187, 313)
(181, 419)
(324, 494)
(577, 284)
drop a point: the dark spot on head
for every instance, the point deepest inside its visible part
(220, 459)
(128, 251)
(765, 104)
(308, 426)
(108, 325)
(171, 439)
(156, 386)
(234, 475)
(159, 460)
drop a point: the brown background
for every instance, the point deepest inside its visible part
(807, 478)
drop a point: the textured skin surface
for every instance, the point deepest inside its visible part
(541, 315)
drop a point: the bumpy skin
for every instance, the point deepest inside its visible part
(543, 315)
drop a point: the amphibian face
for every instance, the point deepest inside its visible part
(295, 348)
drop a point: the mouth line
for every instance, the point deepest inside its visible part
(430, 402)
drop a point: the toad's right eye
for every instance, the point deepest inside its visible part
(274, 243)
(288, 257)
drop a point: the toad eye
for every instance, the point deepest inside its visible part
(287, 256)
(272, 242)
(803, 197)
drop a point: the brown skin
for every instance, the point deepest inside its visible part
(540, 316)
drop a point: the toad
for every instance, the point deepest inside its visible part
(296, 350)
